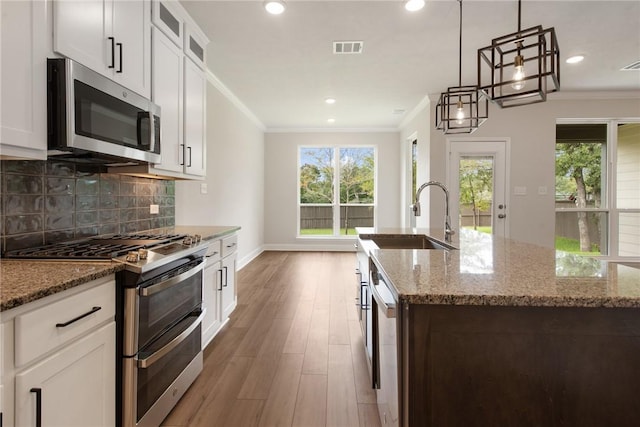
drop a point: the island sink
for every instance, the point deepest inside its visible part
(408, 241)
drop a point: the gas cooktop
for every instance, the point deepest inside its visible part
(96, 248)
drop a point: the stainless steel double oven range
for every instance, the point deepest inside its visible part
(158, 316)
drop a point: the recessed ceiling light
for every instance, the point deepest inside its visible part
(414, 5)
(575, 59)
(330, 101)
(332, 120)
(274, 7)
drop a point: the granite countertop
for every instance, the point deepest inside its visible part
(488, 270)
(24, 281)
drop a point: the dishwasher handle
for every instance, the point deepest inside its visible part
(386, 306)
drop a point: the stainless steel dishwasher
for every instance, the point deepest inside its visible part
(386, 347)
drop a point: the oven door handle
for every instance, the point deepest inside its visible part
(146, 362)
(158, 287)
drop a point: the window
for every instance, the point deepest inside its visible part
(598, 188)
(336, 190)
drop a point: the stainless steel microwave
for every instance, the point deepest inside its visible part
(92, 119)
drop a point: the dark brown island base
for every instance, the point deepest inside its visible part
(503, 333)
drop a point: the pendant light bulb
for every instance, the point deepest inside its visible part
(459, 113)
(518, 73)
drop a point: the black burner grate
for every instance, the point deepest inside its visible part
(97, 248)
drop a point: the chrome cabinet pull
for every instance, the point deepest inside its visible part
(75, 319)
(226, 276)
(38, 392)
(189, 165)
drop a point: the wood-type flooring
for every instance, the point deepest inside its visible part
(290, 355)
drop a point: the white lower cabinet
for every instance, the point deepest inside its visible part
(228, 285)
(73, 387)
(219, 286)
(59, 359)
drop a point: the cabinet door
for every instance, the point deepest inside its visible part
(132, 31)
(23, 77)
(81, 31)
(228, 302)
(210, 301)
(167, 93)
(77, 384)
(195, 85)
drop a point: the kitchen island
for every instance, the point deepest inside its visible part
(501, 332)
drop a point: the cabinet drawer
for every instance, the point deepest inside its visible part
(53, 325)
(214, 252)
(229, 245)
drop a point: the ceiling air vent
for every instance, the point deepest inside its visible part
(347, 47)
(632, 67)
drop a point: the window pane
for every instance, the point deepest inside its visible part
(316, 175)
(476, 192)
(580, 164)
(582, 232)
(628, 163)
(629, 234)
(356, 175)
(316, 188)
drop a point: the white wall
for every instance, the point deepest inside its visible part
(281, 185)
(235, 177)
(531, 130)
(417, 127)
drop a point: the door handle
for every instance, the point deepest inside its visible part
(502, 216)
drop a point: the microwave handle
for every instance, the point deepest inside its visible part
(152, 128)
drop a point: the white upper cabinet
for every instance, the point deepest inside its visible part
(180, 89)
(195, 93)
(112, 37)
(167, 92)
(25, 44)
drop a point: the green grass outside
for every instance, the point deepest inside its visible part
(326, 232)
(573, 246)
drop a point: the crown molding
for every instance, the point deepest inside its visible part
(332, 130)
(226, 92)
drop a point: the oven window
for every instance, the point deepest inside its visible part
(160, 311)
(101, 116)
(155, 379)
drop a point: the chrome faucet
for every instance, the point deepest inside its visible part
(448, 231)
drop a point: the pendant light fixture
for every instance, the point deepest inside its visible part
(520, 68)
(459, 109)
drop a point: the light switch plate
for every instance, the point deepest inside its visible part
(154, 209)
(203, 188)
(542, 190)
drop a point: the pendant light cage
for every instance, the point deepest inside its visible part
(460, 109)
(474, 110)
(535, 50)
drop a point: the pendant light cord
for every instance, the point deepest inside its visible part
(519, 15)
(460, 49)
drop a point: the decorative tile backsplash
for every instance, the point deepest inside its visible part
(52, 201)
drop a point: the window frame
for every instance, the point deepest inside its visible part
(336, 205)
(609, 202)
